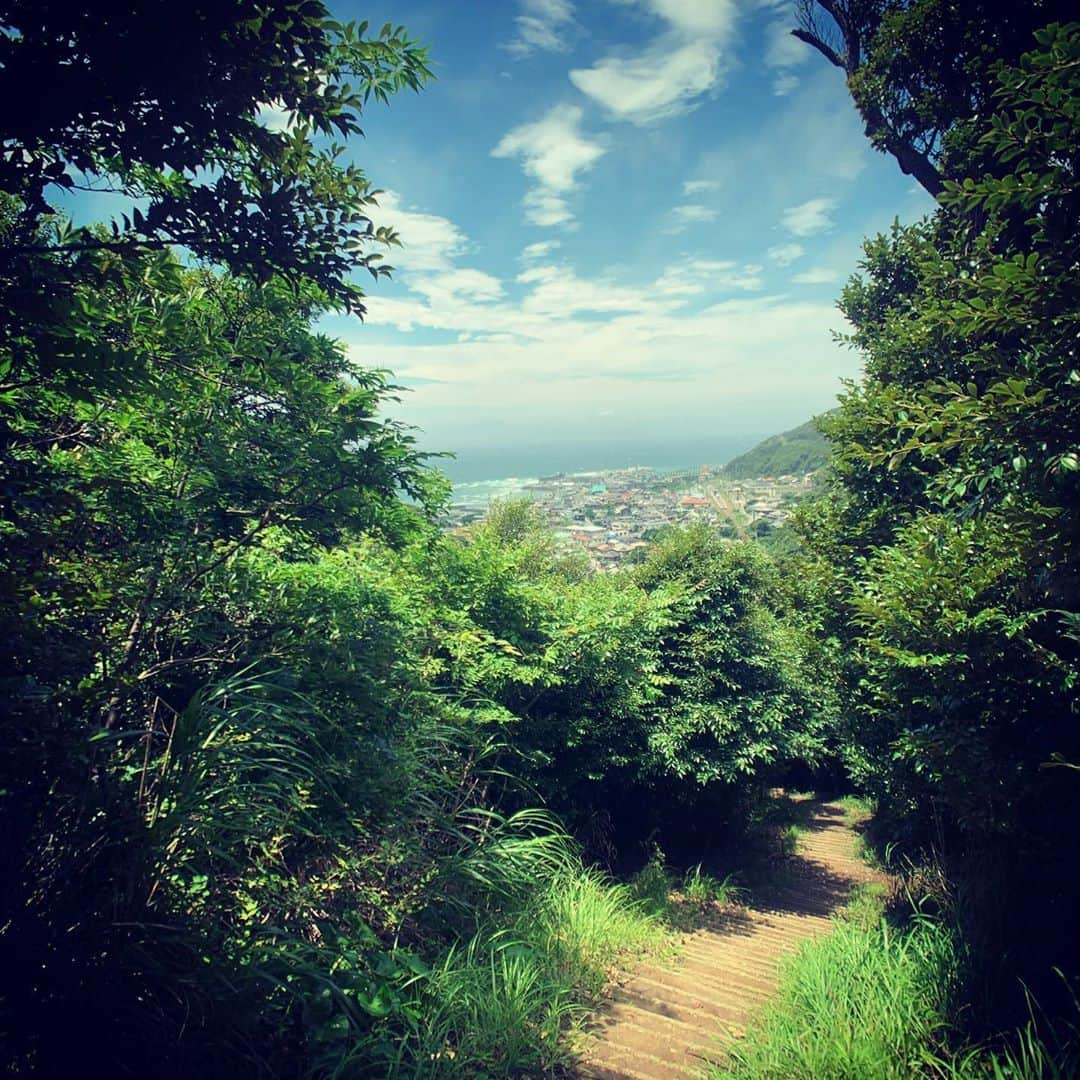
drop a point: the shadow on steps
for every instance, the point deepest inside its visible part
(666, 1022)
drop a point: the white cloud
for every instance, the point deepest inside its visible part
(782, 53)
(542, 26)
(694, 212)
(458, 283)
(782, 50)
(555, 349)
(539, 250)
(819, 275)
(785, 84)
(696, 277)
(699, 187)
(558, 291)
(670, 75)
(812, 216)
(714, 18)
(785, 254)
(653, 86)
(634, 341)
(545, 208)
(466, 301)
(550, 351)
(541, 377)
(428, 241)
(553, 151)
(690, 214)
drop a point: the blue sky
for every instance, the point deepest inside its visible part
(620, 217)
(624, 221)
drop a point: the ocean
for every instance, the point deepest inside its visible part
(505, 469)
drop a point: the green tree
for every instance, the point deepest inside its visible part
(921, 72)
(565, 660)
(197, 697)
(166, 104)
(200, 700)
(746, 690)
(953, 531)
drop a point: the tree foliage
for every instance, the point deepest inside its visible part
(168, 106)
(921, 72)
(953, 532)
(274, 743)
(634, 696)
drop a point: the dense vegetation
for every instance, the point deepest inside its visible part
(883, 1001)
(947, 541)
(273, 744)
(293, 783)
(950, 537)
(800, 450)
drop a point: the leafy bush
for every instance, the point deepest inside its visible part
(502, 1004)
(863, 1001)
(875, 1000)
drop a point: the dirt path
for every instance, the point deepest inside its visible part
(665, 1022)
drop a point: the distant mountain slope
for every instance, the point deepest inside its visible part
(801, 450)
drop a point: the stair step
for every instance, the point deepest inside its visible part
(670, 1022)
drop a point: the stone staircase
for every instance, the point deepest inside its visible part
(670, 1022)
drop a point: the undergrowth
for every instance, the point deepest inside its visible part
(507, 1003)
(678, 900)
(702, 888)
(857, 809)
(875, 1001)
(791, 839)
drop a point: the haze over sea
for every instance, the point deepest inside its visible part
(498, 463)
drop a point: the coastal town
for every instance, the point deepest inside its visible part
(615, 514)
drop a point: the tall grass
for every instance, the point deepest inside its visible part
(1035, 1052)
(701, 888)
(872, 1001)
(864, 1002)
(791, 839)
(506, 1003)
(490, 1009)
(857, 808)
(587, 927)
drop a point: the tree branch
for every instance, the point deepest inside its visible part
(911, 161)
(119, 246)
(815, 42)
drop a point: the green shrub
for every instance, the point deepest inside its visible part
(867, 1001)
(653, 883)
(503, 1004)
(701, 888)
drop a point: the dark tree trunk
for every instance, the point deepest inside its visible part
(912, 161)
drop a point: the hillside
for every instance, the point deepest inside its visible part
(800, 450)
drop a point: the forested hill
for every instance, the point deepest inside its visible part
(800, 450)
